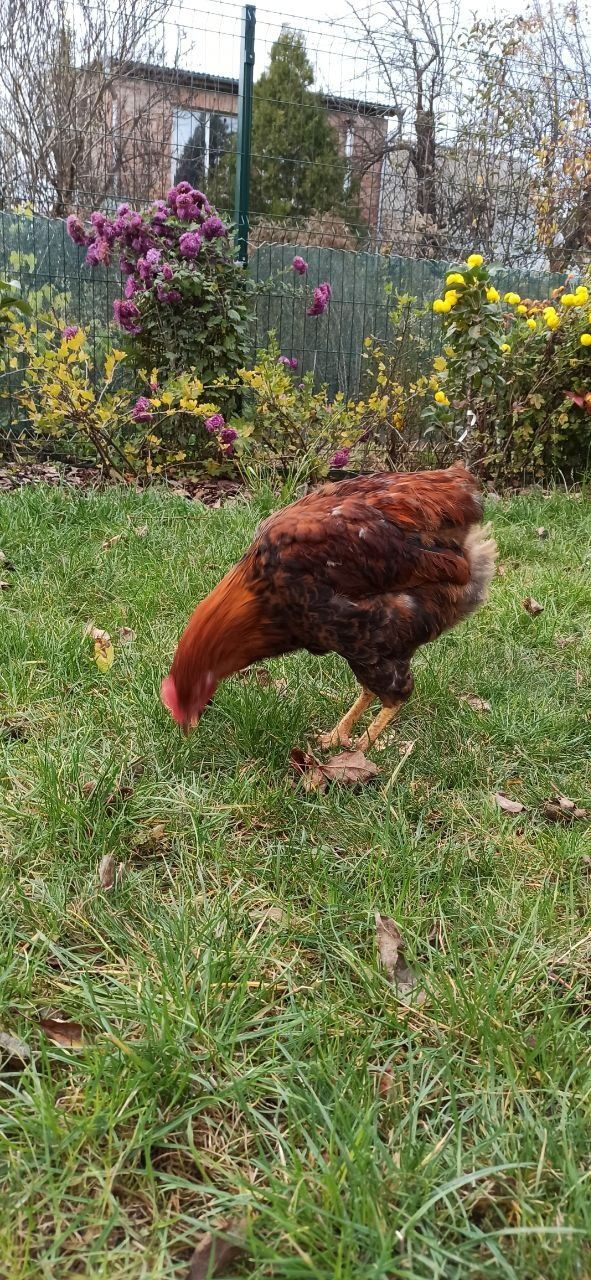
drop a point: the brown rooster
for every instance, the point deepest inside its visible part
(370, 568)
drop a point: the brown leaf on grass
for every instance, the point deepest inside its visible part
(350, 768)
(106, 871)
(533, 607)
(501, 570)
(506, 805)
(7, 567)
(141, 531)
(97, 633)
(112, 542)
(157, 832)
(5, 586)
(15, 729)
(564, 642)
(88, 788)
(63, 1032)
(477, 704)
(542, 532)
(126, 635)
(560, 809)
(217, 1251)
(309, 769)
(276, 914)
(391, 951)
(12, 1049)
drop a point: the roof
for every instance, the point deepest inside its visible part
(224, 84)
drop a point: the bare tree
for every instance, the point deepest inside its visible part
(414, 53)
(68, 108)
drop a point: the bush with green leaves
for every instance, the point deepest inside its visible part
(186, 302)
(513, 381)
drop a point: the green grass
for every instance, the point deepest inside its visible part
(239, 1062)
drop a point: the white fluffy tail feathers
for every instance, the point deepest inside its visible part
(481, 550)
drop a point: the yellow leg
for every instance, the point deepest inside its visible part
(340, 735)
(377, 726)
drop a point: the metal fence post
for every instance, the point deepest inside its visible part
(243, 137)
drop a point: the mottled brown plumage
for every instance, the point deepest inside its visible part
(370, 568)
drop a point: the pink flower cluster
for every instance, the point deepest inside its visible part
(176, 229)
(216, 426)
(320, 300)
(290, 362)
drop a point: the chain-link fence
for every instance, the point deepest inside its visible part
(382, 147)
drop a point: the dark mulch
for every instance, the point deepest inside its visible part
(213, 492)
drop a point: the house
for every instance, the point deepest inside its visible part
(170, 123)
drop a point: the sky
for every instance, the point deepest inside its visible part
(206, 37)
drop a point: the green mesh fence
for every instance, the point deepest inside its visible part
(51, 274)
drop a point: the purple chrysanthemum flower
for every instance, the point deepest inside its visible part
(131, 287)
(167, 272)
(184, 188)
(98, 220)
(189, 244)
(143, 271)
(213, 228)
(321, 299)
(123, 210)
(290, 362)
(174, 296)
(75, 229)
(216, 422)
(228, 435)
(167, 295)
(185, 207)
(70, 331)
(127, 315)
(142, 410)
(340, 458)
(135, 221)
(171, 197)
(299, 265)
(153, 257)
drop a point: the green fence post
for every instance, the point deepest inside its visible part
(243, 137)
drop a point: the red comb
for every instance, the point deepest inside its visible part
(169, 698)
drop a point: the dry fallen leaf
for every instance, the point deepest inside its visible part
(5, 586)
(564, 642)
(391, 950)
(157, 832)
(532, 606)
(309, 768)
(141, 531)
(477, 704)
(5, 562)
(103, 653)
(561, 809)
(349, 767)
(112, 542)
(107, 871)
(507, 805)
(281, 685)
(12, 1048)
(96, 633)
(542, 532)
(276, 914)
(217, 1251)
(62, 1032)
(126, 635)
(501, 570)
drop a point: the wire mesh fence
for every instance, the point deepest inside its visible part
(383, 147)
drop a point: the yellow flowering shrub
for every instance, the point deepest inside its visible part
(89, 411)
(510, 388)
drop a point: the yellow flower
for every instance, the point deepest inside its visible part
(505, 347)
(551, 317)
(581, 294)
(570, 300)
(512, 299)
(440, 305)
(492, 294)
(455, 278)
(522, 310)
(441, 398)
(531, 324)
(451, 296)
(586, 339)
(440, 363)
(475, 260)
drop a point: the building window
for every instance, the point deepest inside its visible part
(200, 140)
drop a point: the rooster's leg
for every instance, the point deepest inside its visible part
(340, 735)
(377, 726)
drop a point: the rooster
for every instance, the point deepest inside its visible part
(369, 568)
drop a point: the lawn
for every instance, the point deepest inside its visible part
(244, 1055)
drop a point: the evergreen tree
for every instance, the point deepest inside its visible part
(296, 166)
